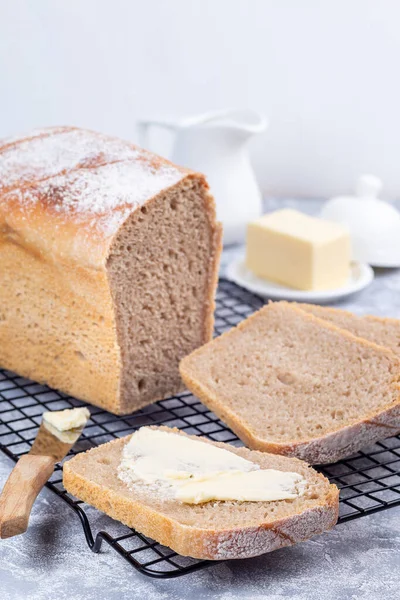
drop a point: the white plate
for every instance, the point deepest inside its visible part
(361, 276)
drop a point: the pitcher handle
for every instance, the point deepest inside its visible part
(143, 133)
(143, 130)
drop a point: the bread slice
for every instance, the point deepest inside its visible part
(214, 530)
(108, 266)
(291, 383)
(380, 330)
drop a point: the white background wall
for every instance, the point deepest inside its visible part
(326, 72)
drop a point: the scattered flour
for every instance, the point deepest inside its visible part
(38, 157)
(108, 187)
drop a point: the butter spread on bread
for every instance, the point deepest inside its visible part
(193, 472)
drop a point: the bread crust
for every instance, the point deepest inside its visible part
(216, 244)
(380, 338)
(205, 543)
(319, 450)
(341, 311)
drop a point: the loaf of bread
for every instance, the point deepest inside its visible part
(288, 382)
(214, 530)
(108, 266)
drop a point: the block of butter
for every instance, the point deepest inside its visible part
(298, 251)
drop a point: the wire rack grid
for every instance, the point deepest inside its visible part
(368, 482)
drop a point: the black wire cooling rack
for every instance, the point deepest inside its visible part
(369, 481)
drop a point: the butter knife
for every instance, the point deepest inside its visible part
(30, 474)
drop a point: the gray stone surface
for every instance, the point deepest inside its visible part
(356, 560)
(359, 560)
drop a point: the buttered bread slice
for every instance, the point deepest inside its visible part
(288, 382)
(204, 499)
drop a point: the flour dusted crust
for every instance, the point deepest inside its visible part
(213, 542)
(325, 449)
(65, 193)
(65, 196)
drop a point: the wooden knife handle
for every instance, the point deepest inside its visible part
(20, 491)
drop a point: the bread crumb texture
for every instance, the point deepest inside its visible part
(288, 382)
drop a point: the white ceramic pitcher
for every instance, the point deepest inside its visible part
(215, 143)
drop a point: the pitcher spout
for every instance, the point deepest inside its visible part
(244, 121)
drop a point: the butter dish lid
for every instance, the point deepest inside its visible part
(374, 224)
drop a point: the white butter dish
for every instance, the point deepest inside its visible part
(361, 275)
